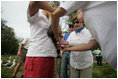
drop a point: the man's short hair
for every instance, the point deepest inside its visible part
(71, 26)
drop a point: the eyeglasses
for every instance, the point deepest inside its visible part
(76, 22)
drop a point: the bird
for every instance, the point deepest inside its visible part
(4, 62)
(7, 62)
(11, 65)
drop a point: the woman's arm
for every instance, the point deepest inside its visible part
(35, 5)
(82, 47)
(55, 20)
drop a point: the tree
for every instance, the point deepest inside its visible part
(57, 3)
(20, 39)
(9, 43)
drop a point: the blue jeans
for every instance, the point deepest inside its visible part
(65, 63)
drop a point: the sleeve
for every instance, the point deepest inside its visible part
(69, 39)
(92, 38)
(24, 41)
(71, 6)
(31, 19)
(90, 35)
(65, 37)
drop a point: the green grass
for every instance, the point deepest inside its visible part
(104, 71)
(6, 72)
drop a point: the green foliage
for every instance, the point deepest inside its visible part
(71, 16)
(57, 3)
(9, 43)
(20, 40)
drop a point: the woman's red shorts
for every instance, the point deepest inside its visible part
(39, 67)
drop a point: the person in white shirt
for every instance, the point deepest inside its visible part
(22, 51)
(42, 51)
(101, 20)
(80, 61)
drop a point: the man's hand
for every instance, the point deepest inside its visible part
(61, 53)
(18, 53)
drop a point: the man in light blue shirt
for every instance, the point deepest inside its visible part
(66, 55)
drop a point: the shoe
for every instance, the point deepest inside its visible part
(22, 76)
(13, 76)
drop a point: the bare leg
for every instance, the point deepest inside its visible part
(16, 68)
(22, 75)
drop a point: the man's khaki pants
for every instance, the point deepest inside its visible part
(81, 73)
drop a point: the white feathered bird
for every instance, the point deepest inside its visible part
(13, 64)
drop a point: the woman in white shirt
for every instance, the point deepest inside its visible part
(80, 61)
(41, 52)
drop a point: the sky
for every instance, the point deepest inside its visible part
(15, 13)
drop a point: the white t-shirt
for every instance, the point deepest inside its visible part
(41, 44)
(25, 43)
(80, 59)
(101, 20)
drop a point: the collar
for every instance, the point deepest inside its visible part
(77, 31)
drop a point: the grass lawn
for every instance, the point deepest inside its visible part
(104, 71)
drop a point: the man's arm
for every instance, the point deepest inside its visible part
(55, 21)
(35, 5)
(82, 47)
(19, 50)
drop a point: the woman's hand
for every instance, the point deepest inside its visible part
(58, 46)
(65, 49)
(62, 42)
